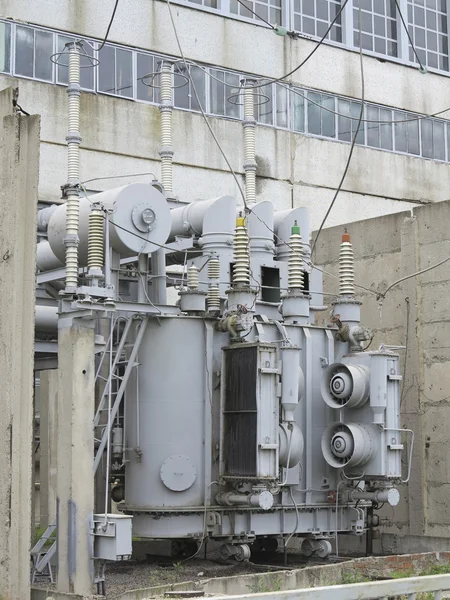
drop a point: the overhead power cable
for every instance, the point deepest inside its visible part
(109, 25)
(352, 147)
(405, 26)
(255, 14)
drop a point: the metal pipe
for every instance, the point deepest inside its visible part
(73, 169)
(46, 318)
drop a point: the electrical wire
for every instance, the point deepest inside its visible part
(117, 177)
(352, 147)
(255, 14)
(405, 26)
(297, 518)
(169, 5)
(382, 295)
(109, 26)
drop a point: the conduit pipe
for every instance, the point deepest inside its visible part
(73, 163)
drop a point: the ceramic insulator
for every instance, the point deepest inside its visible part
(96, 239)
(295, 263)
(346, 267)
(241, 270)
(192, 278)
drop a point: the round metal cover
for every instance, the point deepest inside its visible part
(178, 473)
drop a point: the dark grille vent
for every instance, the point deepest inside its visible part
(240, 412)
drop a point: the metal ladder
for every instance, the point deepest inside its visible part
(42, 568)
(129, 364)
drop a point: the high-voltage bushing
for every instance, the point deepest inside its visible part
(138, 215)
(345, 385)
(295, 307)
(346, 267)
(241, 267)
(192, 299)
(213, 295)
(347, 445)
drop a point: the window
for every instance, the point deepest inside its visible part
(115, 71)
(299, 110)
(87, 68)
(320, 120)
(207, 3)
(145, 65)
(5, 48)
(428, 28)
(34, 48)
(378, 26)
(269, 10)
(406, 133)
(433, 144)
(263, 104)
(313, 17)
(184, 94)
(282, 106)
(347, 126)
(223, 86)
(379, 135)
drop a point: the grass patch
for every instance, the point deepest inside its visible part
(354, 577)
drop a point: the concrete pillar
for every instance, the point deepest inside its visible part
(411, 410)
(75, 452)
(48, 430)
(19, 157)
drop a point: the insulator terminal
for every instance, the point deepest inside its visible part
(241, 270)
(96, 239)
(192, 278)
(295, 261)
(346, 267)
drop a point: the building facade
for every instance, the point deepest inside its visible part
(305, 123)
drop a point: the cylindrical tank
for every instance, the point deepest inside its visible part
(138, 213)
(168, 469)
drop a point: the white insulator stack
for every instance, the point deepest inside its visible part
(73, 152)
(249, 124)
(166, 108)
(241, 270)
(295, 261)
(96, 239)
(192, 278)
(213, 296)
(346, 267)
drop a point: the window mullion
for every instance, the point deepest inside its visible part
(402, 37)
(347, 24)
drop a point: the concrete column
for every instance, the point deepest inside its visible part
(411, 411)
(19, 157)
(48, 429)
(75, 451)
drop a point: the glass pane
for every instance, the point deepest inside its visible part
(438, 140)
(124, 73)
(231, 88)
(344, 124)
(144, 66)
(43, 68)
(413, 134)
(5, 48)
(181, 88)
(24, 51)
(401, 144)
(373, 129)
(217, 92)
(427, 138)
(264, 111)
(282, 106)
(106, 70)
(299, 111)
(328, 117)
(355, 113)
(386, 130)
(198, 77)
(314, 113)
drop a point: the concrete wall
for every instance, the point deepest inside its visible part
(19, 157)
(415, 313)
(122, 136)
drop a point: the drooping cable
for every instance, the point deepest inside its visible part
(405, 26)
(352, 147)
(109, 26)
(255, 14)
(194, 89)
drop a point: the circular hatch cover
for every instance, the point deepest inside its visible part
(178, 473)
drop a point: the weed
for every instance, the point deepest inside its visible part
(178, 565)
(262, 587)
(402, 574)
(353, 577)
(436, 570)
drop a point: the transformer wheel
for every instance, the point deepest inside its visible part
(242, 553)
(323, 548)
